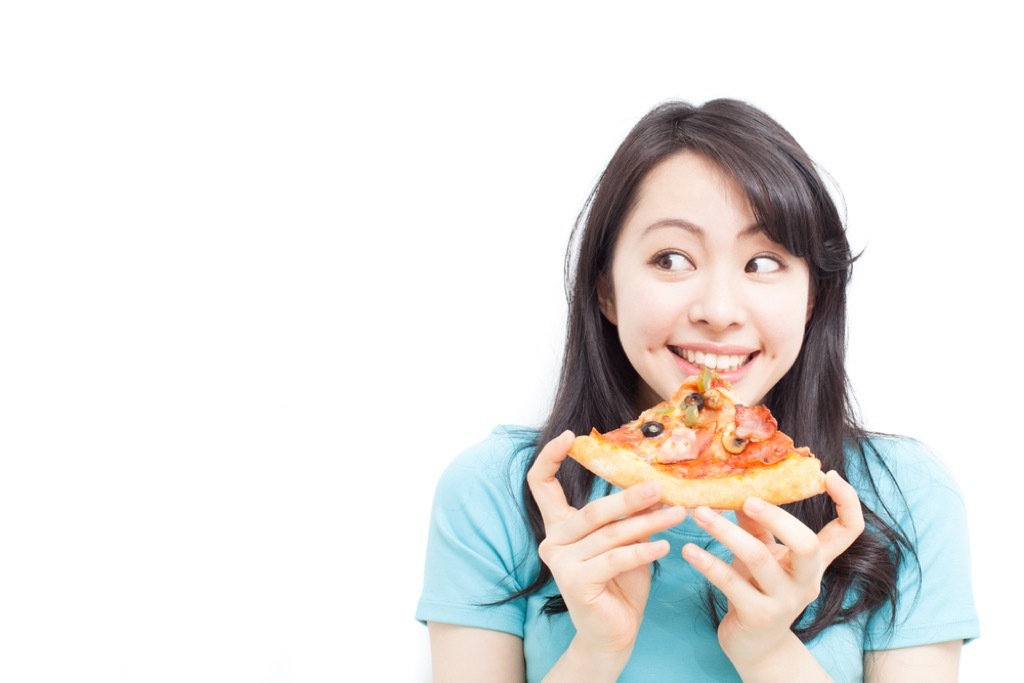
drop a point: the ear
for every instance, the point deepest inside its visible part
(605, 299)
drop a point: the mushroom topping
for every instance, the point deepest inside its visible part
(731, 442)
(713, 399)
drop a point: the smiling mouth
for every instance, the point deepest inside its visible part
(721, 362)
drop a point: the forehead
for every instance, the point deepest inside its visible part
(687, 189)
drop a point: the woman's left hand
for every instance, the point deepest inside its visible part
(776, 570)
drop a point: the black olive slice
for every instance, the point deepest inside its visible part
(651, 429)
(694, 400)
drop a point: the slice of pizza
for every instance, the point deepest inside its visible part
(705, 448)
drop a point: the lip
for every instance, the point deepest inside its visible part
(733, 376)
(718, 349)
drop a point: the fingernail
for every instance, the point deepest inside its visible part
(703, 514)
(754, 504)
(695, 556)
(650, 489)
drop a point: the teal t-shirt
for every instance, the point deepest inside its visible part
(479, 551)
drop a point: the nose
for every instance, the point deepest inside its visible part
(718, 303)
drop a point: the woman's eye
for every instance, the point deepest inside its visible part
(763, 264)
(673, 261)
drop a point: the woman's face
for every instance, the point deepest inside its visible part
(695, 282)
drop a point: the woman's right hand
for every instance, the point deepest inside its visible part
(600, 557)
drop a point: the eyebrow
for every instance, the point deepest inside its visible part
(695, 229)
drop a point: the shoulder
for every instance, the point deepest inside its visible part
(884, 468)
(493, 467)
(480, 548)
(911, 489)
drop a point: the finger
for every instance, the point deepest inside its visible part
(607, 566)
(753, 528)
(603, 511)
(629, 530)
(736, 588)
(779, 552)
(758, 558)
(803, 548)
(545, 488)
(840, 533)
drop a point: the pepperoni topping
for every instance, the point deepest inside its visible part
(755, 423)
(684, 444)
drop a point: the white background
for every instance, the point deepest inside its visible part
(266, 267)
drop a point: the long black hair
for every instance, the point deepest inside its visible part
(598, 387)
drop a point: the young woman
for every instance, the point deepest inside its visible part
(710, 240)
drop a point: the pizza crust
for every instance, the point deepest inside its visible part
(793, 478)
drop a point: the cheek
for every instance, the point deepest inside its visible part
(782, 322)
(646, 316)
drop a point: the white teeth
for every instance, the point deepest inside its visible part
(722, 362)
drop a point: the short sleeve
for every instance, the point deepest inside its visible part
(936, 602)
(479, 549)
